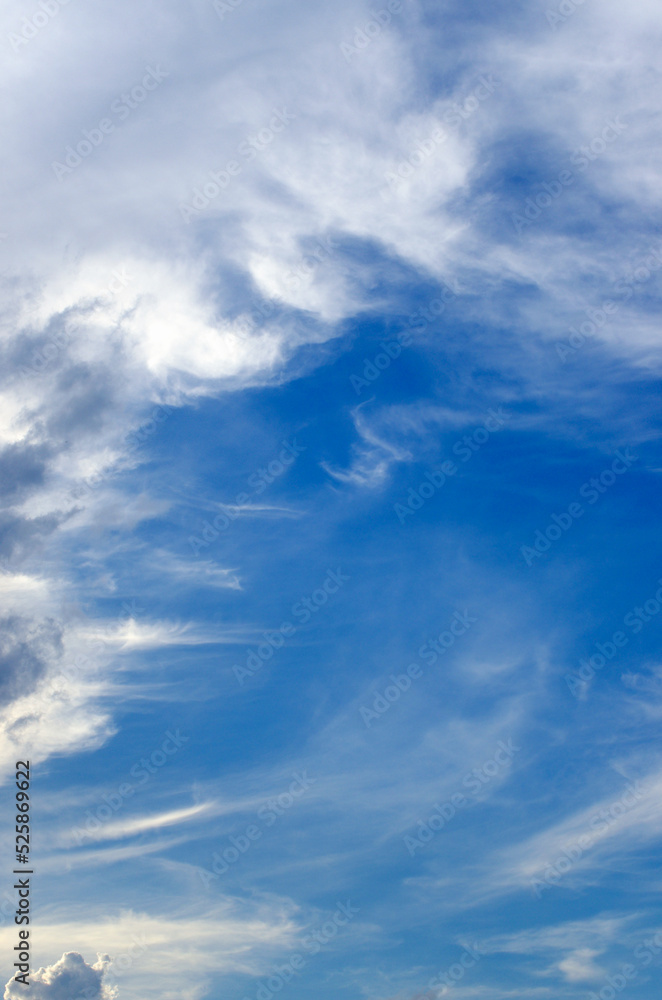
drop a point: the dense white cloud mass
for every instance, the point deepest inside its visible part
(158, 955)
(71, 978)
(104, 274)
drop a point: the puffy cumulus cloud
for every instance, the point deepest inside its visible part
(152, 955)
(71, 978)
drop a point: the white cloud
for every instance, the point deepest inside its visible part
(61, 717)
(581, 941)
(616, 823)
(579, 967)
(153, 955)
(60, 863)
(107, 350)
(372, 458)
(70, 978)
(142, 824)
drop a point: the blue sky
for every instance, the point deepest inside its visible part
(329, 472)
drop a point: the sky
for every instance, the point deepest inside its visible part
(329, 468)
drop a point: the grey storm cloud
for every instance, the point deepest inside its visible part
(71, 978)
